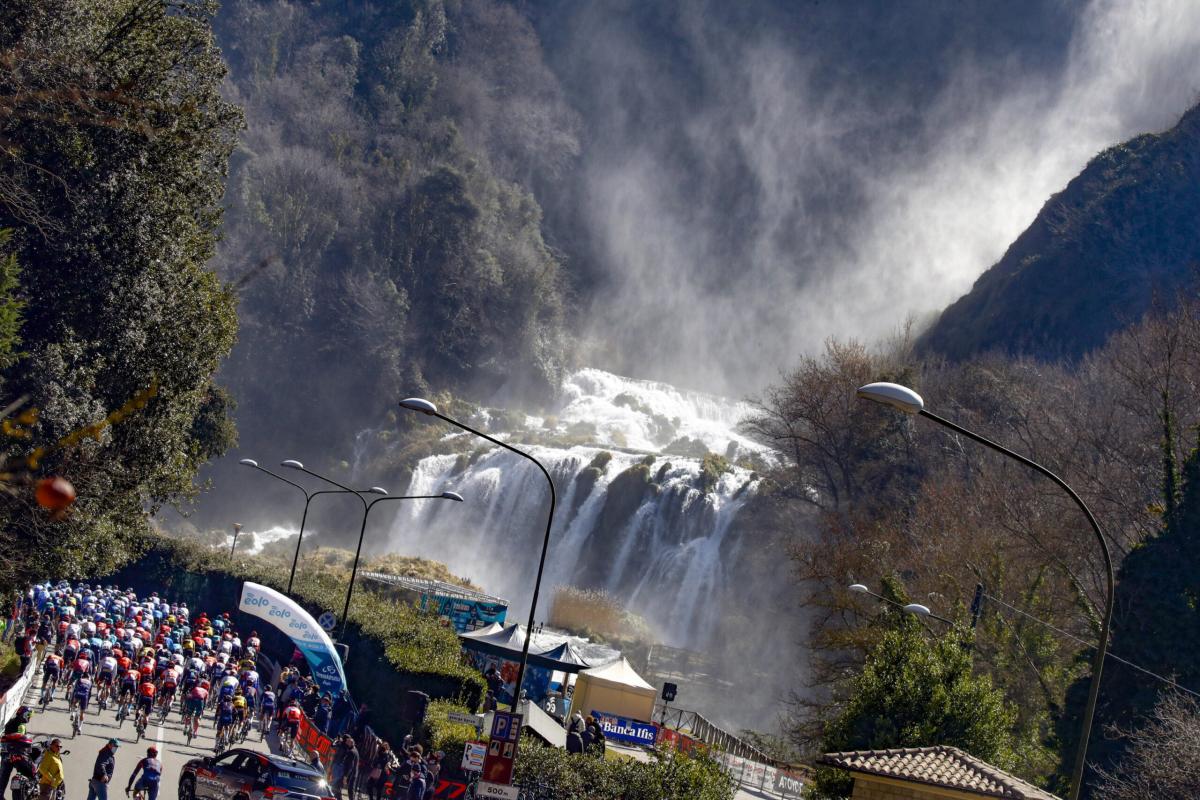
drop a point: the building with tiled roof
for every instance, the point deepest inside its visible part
(929, 773)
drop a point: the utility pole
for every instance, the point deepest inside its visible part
(977, 605)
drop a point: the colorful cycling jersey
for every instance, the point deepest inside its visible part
(108, 665)
(83, 687)
(53, 663)
(170, 679)
(124, 663)
(268, 700)
(229, 682)
(82, 665)
(225, 713)
(239, 702)
(293, 713)
(147, 689)
(132, 677)
(198, 693)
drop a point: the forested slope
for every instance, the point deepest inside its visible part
(1126, 230)
(378, 232)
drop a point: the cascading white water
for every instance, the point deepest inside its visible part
(637, 514)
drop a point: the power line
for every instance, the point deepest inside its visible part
(1086, 643)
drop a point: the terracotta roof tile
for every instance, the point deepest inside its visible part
(941, 765)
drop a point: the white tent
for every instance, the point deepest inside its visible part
(495, 627)
(616, 689)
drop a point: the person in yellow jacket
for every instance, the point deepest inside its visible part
(50, 771)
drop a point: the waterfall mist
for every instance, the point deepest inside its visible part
(760, 176)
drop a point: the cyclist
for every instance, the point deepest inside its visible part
(52, 670)
(240, 709)
(145, 700)
(151, 769)
(81, 694)
(224, 719)
(108, 673)
(267, 709)
(194, 708)
(170, 680)
(81, 667)
(229, 684)
(290, 724)
(129, 683)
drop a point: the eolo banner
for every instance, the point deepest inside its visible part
(283, 613)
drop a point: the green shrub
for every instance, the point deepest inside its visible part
(667, 776)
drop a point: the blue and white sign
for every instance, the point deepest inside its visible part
(286, 615)
(327, 621)
(624, 729)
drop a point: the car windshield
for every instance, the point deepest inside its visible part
(299, 780)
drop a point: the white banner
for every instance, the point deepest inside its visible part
(285, 614)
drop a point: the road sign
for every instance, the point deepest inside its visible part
(473, 755)
(669, 690)
(502, 749)
(496, 790)
(327, 621)
(475, 720)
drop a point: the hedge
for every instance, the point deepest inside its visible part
(394, 647)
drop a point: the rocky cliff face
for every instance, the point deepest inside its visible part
(1125, 231)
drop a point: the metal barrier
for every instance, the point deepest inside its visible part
(700, 729)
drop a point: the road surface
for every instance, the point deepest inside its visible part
(98, 728)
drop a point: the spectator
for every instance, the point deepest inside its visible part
(360, 723)
(321, 715)
(23, 644)
(575, 734)
(597, 746)
(494, 681)
(489, 701)
(433, 765)
(382, 766)
(418, 777)
(343, 711)
(102, 772)
(50, 770)
(345, 766)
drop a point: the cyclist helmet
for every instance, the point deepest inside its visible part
(24, 713)
(151, 750)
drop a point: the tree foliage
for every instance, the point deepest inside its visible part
(115, 143)
(917, 690)
(1162, 759)
(377, 247)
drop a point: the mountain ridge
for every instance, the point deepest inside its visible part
(1122, 233)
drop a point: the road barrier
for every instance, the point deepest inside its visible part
(15, 696)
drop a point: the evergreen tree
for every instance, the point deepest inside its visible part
(917, 690)
(1156, 624)
(115, 145)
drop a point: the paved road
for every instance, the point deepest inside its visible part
(98, 728)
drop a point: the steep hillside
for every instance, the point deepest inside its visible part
(1126, 230)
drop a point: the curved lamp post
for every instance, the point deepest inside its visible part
(911, 608)
(908, 401)
(308, 498)
(426, 407)
(296, 465)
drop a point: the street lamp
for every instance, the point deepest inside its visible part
(455, 496)
(296, 465)
(428, 408)
(308, 498)
(911, 608)
(237, 528)
(908, 401)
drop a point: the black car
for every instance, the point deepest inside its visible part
(241, 774)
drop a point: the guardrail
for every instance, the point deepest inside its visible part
(15, 696)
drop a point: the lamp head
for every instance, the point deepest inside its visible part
(418, 404)
(377, 490)
(248, 462)
(452, 496)
(918, 609)
(893, 394)
(858, 588)
(291, 463)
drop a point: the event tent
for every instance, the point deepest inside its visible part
(614, 689)
(507, 643)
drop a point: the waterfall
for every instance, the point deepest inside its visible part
(649, 477)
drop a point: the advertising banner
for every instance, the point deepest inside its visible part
(788, 784)
(623, 729)
(285, 614)
(465, 615)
